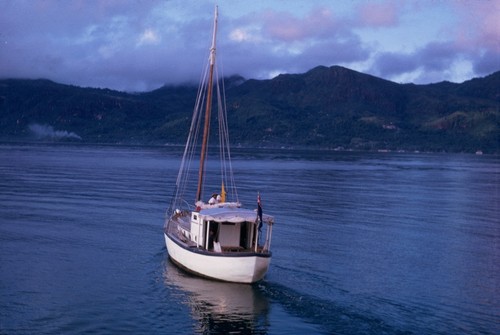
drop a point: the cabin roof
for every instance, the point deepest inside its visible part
(233, 215)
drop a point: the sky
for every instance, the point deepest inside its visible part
(141, 45)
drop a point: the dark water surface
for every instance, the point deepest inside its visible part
(364, 243)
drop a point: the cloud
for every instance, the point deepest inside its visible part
(377, 14)
(487, 62)
(469, 46)
(388, 64)
(437, 55)
(346, 50)
(478, 35)
(433, 57)
(479, 24)
(46, 131)
(137, 46)
(149, 36)
(269, 42)
(241, 35)
(285, 27)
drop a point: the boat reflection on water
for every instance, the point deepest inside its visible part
(220, 307)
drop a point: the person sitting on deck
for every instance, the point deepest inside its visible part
(214, 199)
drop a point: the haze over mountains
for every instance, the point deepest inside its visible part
(325, 108)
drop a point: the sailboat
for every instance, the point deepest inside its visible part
(219, 238)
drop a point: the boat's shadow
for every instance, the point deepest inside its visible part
(220, 307)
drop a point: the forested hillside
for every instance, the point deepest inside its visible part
(326, 108)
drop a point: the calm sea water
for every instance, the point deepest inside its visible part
(365, 243)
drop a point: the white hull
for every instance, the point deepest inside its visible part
(228, 267)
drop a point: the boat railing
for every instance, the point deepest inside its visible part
(203, 205)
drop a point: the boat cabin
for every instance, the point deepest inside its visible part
(225, 229)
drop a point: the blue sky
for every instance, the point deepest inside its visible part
(144, 44)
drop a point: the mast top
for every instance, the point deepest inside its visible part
(212, 48)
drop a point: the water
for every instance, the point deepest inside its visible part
(364, 243)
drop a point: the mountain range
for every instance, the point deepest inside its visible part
(326, 107)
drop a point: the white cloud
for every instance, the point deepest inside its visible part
(148, 37)
(240, 35)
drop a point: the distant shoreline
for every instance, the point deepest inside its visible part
(237, 148)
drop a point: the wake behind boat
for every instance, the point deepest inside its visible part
(218, 239)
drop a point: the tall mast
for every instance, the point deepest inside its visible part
(208, 110)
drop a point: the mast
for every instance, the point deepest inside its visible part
(208, 110)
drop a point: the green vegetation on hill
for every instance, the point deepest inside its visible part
(325, 107)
